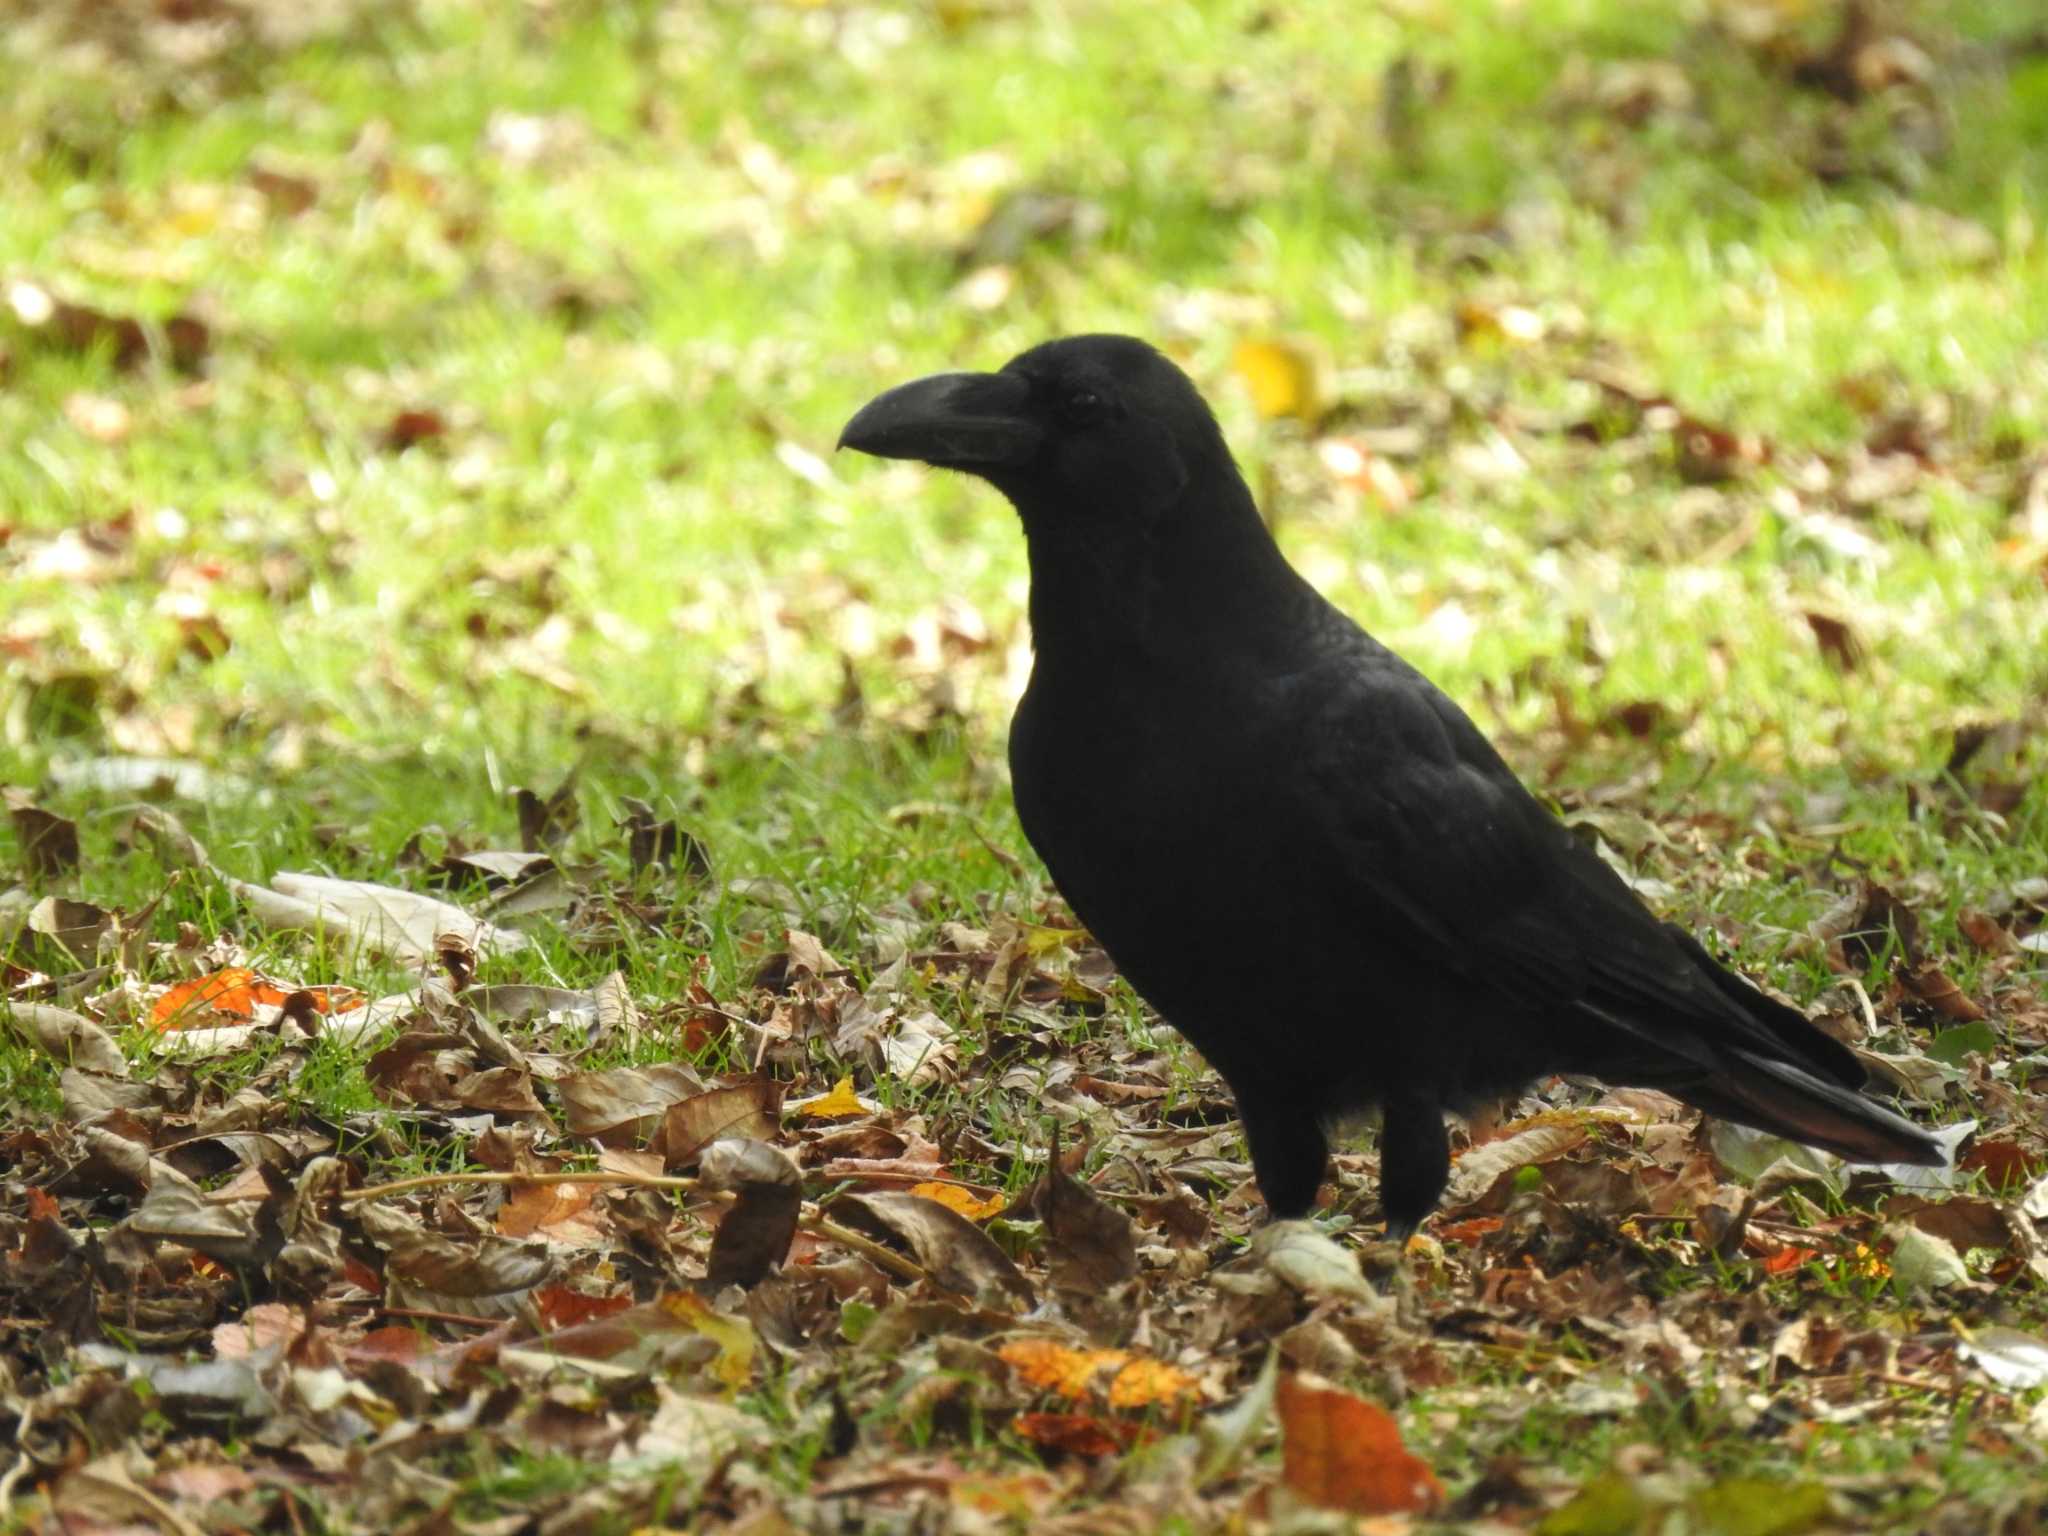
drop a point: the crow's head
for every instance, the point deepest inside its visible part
(1098, 428)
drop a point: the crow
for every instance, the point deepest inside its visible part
(1292, 844)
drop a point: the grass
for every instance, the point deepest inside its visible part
(628, 267)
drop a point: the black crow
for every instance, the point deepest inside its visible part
(1295, 846)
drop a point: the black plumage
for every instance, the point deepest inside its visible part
(1293, 844)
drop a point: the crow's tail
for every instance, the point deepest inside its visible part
(1788, 1100)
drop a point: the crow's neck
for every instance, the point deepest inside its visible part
(1197, 578)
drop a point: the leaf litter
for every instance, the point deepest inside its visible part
(651, 1235)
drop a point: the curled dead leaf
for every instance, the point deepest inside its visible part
(49, 842)
(1933, 987)
(952, 1250)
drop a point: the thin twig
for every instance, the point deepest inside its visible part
(810, 1217)
(415, 1314)
(587, 1176)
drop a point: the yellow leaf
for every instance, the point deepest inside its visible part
(1283, 378)
(836, 1105)
(1121, 1379)
(1144, 1382)
(1046, 941)
(958, 1200)
(734, 1336)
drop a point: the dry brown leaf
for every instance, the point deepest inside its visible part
(1483, 1166)
(745, 1111)
(67, 1037)
(613, 1104)
(1091, 1245)
(755, 1233)
(1934, 988)
(49, 842)
(1073, 1434)
(953, 1250)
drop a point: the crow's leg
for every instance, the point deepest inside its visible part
(1289, 1150)
(1415, 1162)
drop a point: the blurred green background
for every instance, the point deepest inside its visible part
(516, 339)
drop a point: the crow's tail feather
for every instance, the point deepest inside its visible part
(1787, 1100)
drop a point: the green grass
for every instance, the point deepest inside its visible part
(618, 554)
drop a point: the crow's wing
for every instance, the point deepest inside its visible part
(1431, 826)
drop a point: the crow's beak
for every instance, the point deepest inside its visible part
(955, 420)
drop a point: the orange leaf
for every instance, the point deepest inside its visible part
(1786, 1259)
(532, 1208)
(1121, 1379)
(235, 993)
(1469, 1232)
(561, 1307)
(1078, 1434)
(1342, 1452)
(1054, 1367)
(958, 1200)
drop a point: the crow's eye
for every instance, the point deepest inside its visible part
(1081, 407)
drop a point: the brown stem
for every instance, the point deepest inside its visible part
(810, 1217)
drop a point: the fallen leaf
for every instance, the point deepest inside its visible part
(1282, 377)
(841, 1103)
(1932, 986)
(1481, 1167)
(953, 1250)
(1317, 1266)
(561, 1214)
(1750, 1506)
(236, 993)
(1091, 1245)
(409, 428)
(1837, 640)
(954, 1198)
(66, 1036)
(401, 923)
(615, 1103)
(49, 842)
(1116, 1376)
(1341, 1452)
(2015, 1360)
(754, 1235)
(1955, 1046)
(1922, 1263)
(743, 1110)
(1072, 1434)
(1610, 1505)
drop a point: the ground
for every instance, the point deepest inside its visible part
(407, 401)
